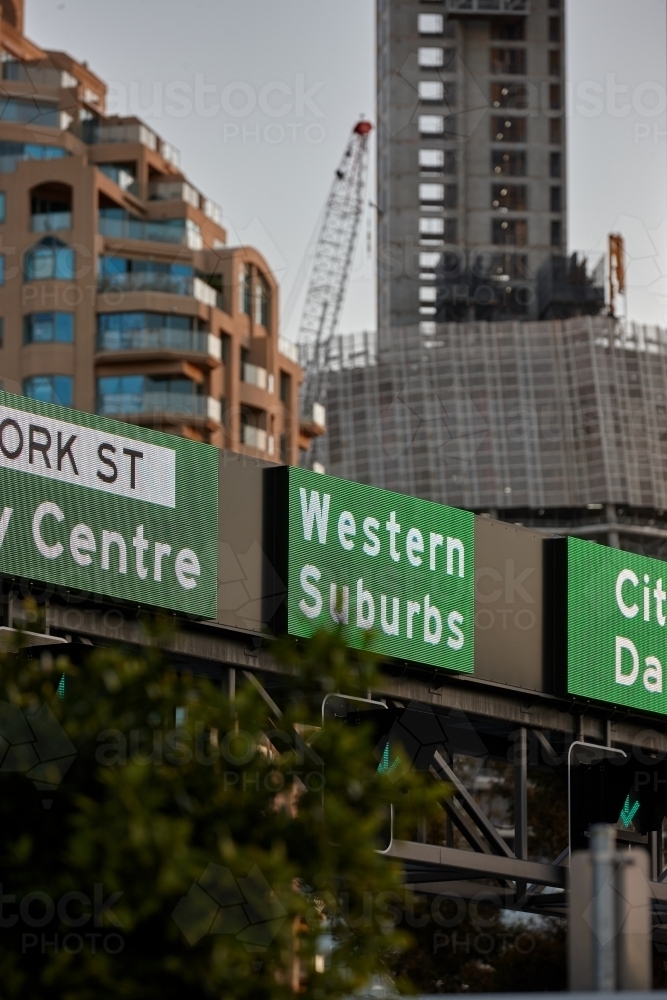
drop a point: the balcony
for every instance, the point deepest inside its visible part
(314, 423)
(288, 349)
(117, 173)
(206, 294)
(171, 284)
(182, 232)
(255, 437)
(38, 75)
(143, 281)
(160, 404)
(173, 191)
(213, 211)
(50, 222)
(131, 131)
(486, 7)
(158, 340)
(13, 153)
(254, 375)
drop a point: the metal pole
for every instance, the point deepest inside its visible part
(654, 849)
(521, 804)
(521, 794)
(603, 849)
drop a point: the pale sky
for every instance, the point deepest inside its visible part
(260, 97)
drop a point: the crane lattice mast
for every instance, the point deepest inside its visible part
(331, 268)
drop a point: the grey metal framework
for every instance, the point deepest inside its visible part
(558, 424)
(487, 6)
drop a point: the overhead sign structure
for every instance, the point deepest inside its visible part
(396, 573)
(616, 626)
(107, 508)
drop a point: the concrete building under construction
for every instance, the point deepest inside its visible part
(549, 424)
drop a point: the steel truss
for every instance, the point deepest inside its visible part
(331, 268)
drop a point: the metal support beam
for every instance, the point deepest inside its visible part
(457, 816)
(478, 865)
(521, 806)
(550, 755)
(442, 770)
(655, 853)
(259, 687)
(613, 539)
(521, 794)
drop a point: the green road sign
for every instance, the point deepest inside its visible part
(107, 508)
(396, 573)
(616, 626)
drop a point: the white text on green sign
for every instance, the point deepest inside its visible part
(395, 572)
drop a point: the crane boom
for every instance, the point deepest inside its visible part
(331, 267)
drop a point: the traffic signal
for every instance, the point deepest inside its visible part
(596, 789)
(610, 786)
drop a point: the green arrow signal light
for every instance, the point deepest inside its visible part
(628, 812)
(386, 765)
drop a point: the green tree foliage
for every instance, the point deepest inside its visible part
(472, 946)
(230, 842)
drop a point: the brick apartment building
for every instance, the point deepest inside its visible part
(118, 292)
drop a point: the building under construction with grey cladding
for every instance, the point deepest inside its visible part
(556, 424)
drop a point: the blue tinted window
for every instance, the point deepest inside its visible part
(64, 264)
(49, 260)
(49, 389)
(112, 384)
(31, 151)
(120, 394)
(29, 112)
(3, 201)
(2, 269)
(113, 265)
(127, 322)
(43, 328)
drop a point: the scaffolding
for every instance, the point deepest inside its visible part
(551, 422)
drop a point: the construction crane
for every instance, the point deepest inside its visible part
(616, 271)
(330, 277)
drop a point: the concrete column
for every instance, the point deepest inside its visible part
(613, 540)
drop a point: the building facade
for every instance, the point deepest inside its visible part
(118, 292)
(559, 425)
(471, 158)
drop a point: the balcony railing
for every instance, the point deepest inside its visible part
(37, 76)
(319, 415)
(122, 132)
(50, 222)
(254, 375)
(173, 191)
(255, 437)
(168, 231)
(288, 349)
(162, 339)
(487, 7)
(172, 284)
(206, 294)
(148, 403)
(19, 152)
(142, 281)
